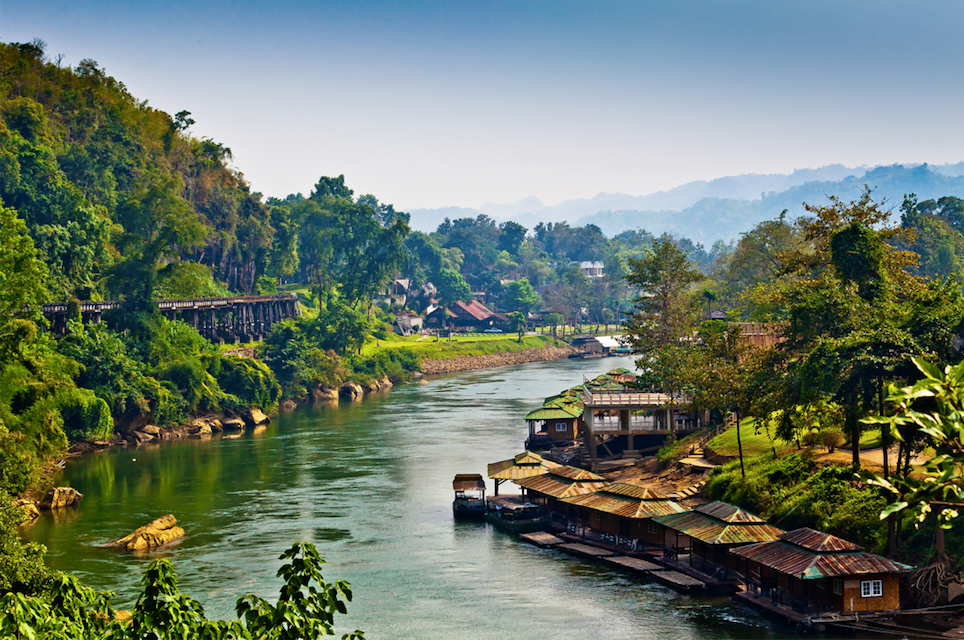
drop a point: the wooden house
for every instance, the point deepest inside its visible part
(464, 316)
(623, 510)
(703, 537)
(550, 488)
(555, 422)
(814, 572)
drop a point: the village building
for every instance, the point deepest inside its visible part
(622, 512)
(406, 323)
(812, 572)
(467, 316)
(701, 539)
(550, 488)
(524, 465)
(592, 268)
(555, 423)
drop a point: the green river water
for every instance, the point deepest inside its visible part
(370, 484)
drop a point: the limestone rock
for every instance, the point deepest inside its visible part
(216, 425)
(385, 383)
(370, 386)
(324, 393)
(152, 429)
(288, 405)
(29, 510)
(350, 391)
(143, 437)
(205, 430)
(61, 497)
(233, 424)
(255, 416)
(156, 533)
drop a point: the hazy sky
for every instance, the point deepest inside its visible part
(426, 104)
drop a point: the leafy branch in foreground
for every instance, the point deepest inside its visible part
(306, 608)
(941, 488)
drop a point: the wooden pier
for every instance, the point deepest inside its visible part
(542, 539)
(585, 550)
(634, 564)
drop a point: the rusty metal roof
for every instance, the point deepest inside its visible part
(710, 530)
(633, 491)
(575, 473)
(557, 487)
(794, 560)
(524, 465)
(728, 512)
(818, 541)
(609, 500)
(468, 481)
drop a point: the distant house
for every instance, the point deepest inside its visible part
(592, 269)
(622, 510)
(467, 316)
(814, 572)
(716, 314)
(406, 323)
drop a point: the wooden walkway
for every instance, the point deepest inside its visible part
(542, 539)
(677, 580)
(634, 564)
(585, 550)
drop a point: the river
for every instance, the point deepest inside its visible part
(370, 484)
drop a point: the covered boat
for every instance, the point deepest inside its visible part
(514, 515)
(469, 500)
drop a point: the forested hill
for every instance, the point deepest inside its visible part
(110, 187)
(723, 208)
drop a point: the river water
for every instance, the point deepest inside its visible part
(370, 483)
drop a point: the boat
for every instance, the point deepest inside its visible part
(469, 503)
(513, 515)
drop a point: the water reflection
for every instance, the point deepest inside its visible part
(370, 484)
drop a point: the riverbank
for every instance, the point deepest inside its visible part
(488, 361)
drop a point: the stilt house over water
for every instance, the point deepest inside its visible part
(524, 465)
(702, 538)
(561, 482)
(622, 510)
(814, 572)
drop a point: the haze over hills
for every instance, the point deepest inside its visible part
(721, 208)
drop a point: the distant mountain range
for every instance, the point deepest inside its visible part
(719, 209)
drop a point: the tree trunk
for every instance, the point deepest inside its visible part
(853, 426)
(942, 558)
(739, 444)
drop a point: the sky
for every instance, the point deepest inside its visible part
(457, 103)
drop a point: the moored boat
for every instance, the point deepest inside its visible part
(469, 503)
(513, 515)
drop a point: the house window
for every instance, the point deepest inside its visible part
(871, 588)
(562, 426)
(652, 528)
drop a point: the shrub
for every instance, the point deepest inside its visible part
(86, 417)
(831, 438)
(811, 438)
(249, 381)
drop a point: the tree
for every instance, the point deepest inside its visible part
(452, 287)
(23, 275)
(518, 323)
(511, 236)
(665, 306)
(520, 296)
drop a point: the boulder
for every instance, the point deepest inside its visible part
(255, 416)
(233, 424)
(142, 437)
(370, 386)
(385, 383)
(216, 425)
(204, 430)
(288, 405)
(350, 391)
(156, 533)
(324, 393)
(29, 510)
(61, 497)
(152, 429)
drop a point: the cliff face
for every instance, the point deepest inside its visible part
(431, 367)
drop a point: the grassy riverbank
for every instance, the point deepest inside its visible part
(456, 347)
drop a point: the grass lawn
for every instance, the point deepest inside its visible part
(461, 346)
(753, 443)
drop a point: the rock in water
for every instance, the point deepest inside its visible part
(324, 393)
(350, 391)
(233, 424)
(254, 417)
(29, 510)
(61, 497)
(158, 532)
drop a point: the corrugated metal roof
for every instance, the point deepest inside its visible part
(710, 530)
(625, 506)
(797, 561)
(468, 482)
(728, 512)
(632, 491)
(557, 487)
(555, 412)
(575, 473)
(818, 541)
(524, 465)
